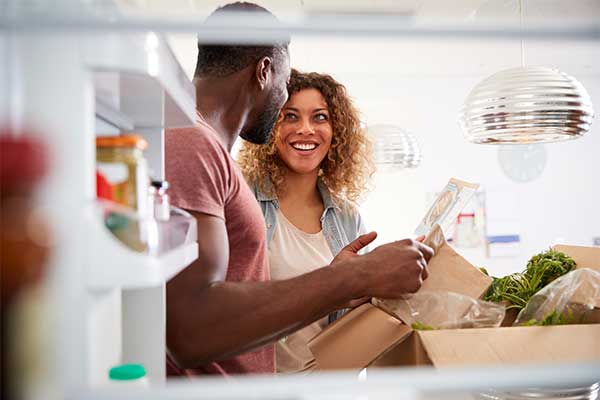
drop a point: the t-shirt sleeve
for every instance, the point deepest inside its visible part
(197, 170)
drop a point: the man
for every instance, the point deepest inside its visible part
(223, 312)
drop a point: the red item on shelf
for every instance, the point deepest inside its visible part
(23, 160)
(23, 164)
(104, 189)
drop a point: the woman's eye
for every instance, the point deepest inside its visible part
(289, 116)
(321, 117)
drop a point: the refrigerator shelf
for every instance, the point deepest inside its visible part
(137, 75)
(130, 252)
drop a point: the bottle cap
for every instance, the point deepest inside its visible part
(127, 372)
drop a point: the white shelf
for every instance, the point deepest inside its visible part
(114, 265)
(136, 75)
(108, 300)
(112, 116)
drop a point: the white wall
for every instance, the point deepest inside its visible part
(420, 85)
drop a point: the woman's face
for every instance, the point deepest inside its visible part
(305, 131)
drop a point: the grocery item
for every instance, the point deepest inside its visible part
(430, 310)
(125, 225)
(516, 289)
(121, 161)
(24, 233)
(158, 200)
(571, 299)
(25, 247)
(453, 198)
(104, 189)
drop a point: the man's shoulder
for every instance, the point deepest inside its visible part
(196, 139)
(192, 133)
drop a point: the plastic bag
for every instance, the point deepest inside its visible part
(445, 310)
(573, 298)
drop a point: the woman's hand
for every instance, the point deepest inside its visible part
(352, 248)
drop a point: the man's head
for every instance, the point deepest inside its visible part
(268, 63)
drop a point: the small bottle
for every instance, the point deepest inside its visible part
(159, 200)
(129, 375)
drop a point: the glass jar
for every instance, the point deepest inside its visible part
(120, 159)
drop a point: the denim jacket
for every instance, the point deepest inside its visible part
(339, 227)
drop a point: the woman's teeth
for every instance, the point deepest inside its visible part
(304, 146)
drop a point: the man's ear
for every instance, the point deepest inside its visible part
(264, 71)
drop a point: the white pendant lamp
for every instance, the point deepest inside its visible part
(526, 105)
(394, 148)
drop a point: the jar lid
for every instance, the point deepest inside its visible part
(127, 372)
(122, 141)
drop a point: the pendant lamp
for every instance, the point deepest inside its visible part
(394, 147)
(526, 105)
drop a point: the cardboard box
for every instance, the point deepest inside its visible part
(448, 272)
(496, 346)
(371, 336)
(584, 257)
(370, 331)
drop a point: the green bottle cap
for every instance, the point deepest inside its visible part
(127, 372)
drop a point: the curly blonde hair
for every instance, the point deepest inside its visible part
(348, 166)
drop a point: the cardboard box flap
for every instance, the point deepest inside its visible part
(537, 344)
(585, 257)
(448, 272)
(357, 339)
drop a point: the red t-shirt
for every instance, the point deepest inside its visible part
(204, 178)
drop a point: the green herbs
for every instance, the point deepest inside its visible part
(553, 318)
(516, 289)
(546, 267)
(513, 289)
(419, 326)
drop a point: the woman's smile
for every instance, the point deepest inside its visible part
(305, 131)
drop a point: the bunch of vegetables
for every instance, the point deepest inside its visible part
(516, 289)
(419, 326)
(553, 318)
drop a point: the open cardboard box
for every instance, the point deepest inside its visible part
(371, 336)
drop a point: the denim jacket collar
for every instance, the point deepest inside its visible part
(325, 195)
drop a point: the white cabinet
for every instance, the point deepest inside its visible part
(108, 301)
(69, 84)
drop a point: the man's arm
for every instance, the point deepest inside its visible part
(209, 319)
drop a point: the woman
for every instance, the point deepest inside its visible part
(308, 180)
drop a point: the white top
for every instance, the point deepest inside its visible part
(293, 252)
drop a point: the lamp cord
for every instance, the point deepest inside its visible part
(522, 41)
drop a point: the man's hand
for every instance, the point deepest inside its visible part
(394, 269)
(352, 248)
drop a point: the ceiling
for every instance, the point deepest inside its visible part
(552, 9)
